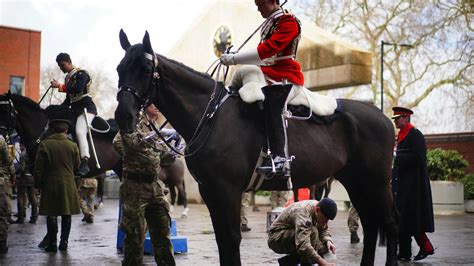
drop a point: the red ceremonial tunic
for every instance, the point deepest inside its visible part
(280, 38)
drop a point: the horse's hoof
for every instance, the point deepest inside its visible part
(184, 214)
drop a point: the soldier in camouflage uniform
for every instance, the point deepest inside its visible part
(143, 196)
(7, 175)
(25, 190)
(244, 227)
(301, 231)
(86, 190)
(353, 224)
(278, 199)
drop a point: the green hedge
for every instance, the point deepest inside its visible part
(446, 164)
(468, 182)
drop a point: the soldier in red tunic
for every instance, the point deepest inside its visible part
(275, 55)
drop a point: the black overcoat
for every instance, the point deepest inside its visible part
(411, 185)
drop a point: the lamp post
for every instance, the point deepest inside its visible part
(408, 46)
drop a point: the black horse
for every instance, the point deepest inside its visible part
(223, 146)
(30, 121)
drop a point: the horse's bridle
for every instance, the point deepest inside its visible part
(11, 113)
(143, 99)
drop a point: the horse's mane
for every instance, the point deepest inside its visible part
(182, 67)
(27, 101)
(137, 51)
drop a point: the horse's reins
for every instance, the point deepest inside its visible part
(144, 100)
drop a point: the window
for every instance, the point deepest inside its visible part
(17, 85)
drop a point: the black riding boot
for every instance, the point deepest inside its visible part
(65, 230)
(52, 226)
(275, 99)
(83, 168)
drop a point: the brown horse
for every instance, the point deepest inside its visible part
(224, 144)
(173, 177)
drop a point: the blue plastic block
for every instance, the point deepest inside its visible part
(180, 243)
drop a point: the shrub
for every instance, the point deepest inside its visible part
(445, 164)
(468, 181)
(263, 193)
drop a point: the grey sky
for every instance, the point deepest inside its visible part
(88, 29)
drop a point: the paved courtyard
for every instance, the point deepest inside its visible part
(94, 244)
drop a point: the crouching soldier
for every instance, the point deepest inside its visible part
(302, 232)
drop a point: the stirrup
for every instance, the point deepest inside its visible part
(278, 166)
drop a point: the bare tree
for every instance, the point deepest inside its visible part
(102, 88)
(441, 58)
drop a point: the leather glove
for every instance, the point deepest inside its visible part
(227, 59)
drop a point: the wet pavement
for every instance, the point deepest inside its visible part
(95, 244)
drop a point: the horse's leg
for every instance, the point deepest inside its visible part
(182, 199)
(223, 201)
(312, 192)
(374, 203)
(328, 186)
(295, 195)
(172, 193)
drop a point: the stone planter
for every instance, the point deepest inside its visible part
(469, 205)
(448, 197)
(262, 200)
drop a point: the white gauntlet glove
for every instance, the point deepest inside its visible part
(250, 57)
(227, 59)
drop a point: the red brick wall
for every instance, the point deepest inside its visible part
(20, 51)
(462, 142)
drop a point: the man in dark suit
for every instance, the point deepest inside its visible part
(411, 187)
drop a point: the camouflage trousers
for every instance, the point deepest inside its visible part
(86, 200)
(353, 220)
(243, 208)
(25, 195)
(9, 195)
(144, 204)
(3, 214)
(278, 199)
(283, 242)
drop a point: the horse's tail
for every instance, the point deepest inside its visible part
(182, 198)
(392, 227)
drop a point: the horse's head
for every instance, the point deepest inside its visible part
(7, 113)
(138, 74)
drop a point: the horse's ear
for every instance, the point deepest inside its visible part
(147, 43)
(124, 40)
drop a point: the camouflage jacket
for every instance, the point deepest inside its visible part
(301, 217)
(141, 153)
(7, 170)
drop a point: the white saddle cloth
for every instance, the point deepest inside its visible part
(250, 80)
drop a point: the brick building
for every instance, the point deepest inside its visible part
(462, 142)
(20, 51)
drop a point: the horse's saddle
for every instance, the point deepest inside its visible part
(324, 109)
(99, 126)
